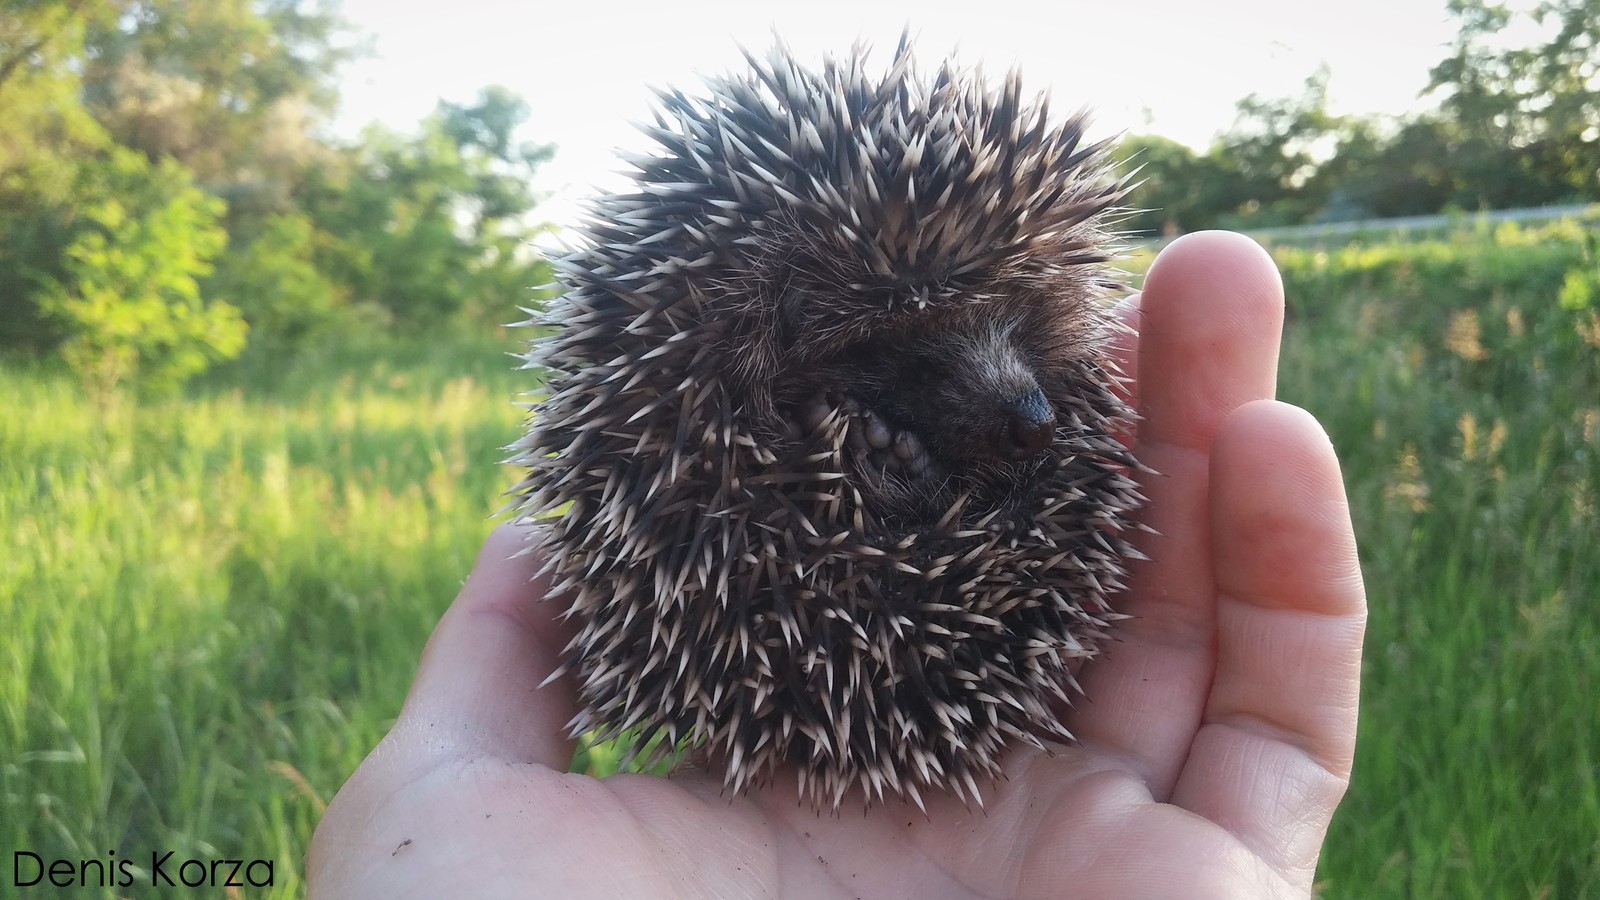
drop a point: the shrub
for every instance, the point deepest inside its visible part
(129, 298)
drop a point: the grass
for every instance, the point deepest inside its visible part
(212, 607)
(1467, 414)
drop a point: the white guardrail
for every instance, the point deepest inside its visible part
(1297, 234)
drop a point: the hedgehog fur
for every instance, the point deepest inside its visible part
(827, 449)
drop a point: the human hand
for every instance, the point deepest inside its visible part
(1216, 738)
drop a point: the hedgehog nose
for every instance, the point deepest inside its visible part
(1030, 426)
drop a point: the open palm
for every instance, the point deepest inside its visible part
(1215, 742)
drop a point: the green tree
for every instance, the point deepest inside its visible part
(430, 226)
(38, 87)
(1176, 189)
(233, 89)
(270, 274)
(1516, 126)
(1526, 119)
(1275, 149)
(130, 301)
(1265, 169)
(1402, 171)
(44, 132)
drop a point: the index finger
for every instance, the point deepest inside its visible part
(1211, 315)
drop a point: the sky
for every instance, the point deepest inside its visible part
(1171, 68)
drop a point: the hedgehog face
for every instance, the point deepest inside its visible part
(965, 408)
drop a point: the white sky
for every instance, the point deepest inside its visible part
(1165, 66)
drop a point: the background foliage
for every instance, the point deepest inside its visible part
(1515, 126)
(193, 134)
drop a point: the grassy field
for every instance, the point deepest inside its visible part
(211, 608)
(1460, 381)
(1459, 376)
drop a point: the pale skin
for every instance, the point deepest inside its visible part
(1215, 743)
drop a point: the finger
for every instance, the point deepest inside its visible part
(1211, 316)
(1273, 756)
(478, 683)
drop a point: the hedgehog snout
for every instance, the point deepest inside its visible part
(1029, 426)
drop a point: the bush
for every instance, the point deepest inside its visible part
(274, 283)
(129, 298)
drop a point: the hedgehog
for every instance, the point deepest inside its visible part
(827, 454)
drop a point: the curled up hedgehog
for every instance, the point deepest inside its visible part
(827, 456)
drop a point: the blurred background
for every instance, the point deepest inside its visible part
(258, 257)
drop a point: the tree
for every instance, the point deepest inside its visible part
(45, 132)
(1516, 126)
(1176, 189)
(431, 226)
(129, 300)
(38, 89)
(230, 88)
(1398, 171)
(1526, 120)
(1276, 149)
(1264, 169)
(270, 274)
(230, 92)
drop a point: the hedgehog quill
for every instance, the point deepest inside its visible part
(830, 426)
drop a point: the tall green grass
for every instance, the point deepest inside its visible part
(1460, 381)
(210, 608)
